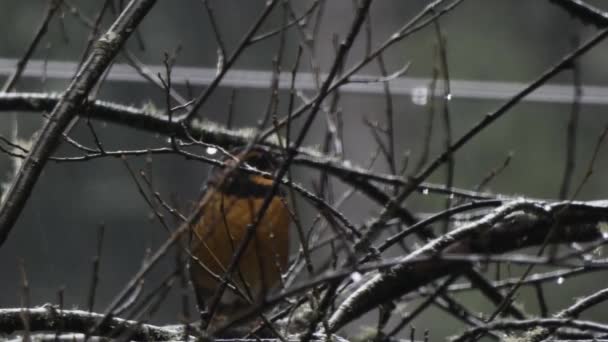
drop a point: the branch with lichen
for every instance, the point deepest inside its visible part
(515, 225)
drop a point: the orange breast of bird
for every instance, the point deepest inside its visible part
(225, 216)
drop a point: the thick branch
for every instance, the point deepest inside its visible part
(48, 318)
(66, 109)
(515, 225)
(149, 119)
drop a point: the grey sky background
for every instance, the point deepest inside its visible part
(487, 40)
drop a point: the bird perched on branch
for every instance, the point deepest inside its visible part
(228, 208)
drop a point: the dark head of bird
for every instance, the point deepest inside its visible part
(234, 180)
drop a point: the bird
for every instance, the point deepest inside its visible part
(227, 208)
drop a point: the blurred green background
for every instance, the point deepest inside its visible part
(494, 40)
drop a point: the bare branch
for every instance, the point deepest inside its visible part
(106, 48)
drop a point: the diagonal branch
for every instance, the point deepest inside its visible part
(584, 12)
(515, 225)
(66, 109)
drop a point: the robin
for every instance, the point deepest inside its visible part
(228, 206)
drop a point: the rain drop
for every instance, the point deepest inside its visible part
(452, 196)
(356, 276)
(448, 97)
(211, 150)
(425, 191)
(560, 280)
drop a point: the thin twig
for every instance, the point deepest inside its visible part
(571, 138)
(10, 83)
(95, 274)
